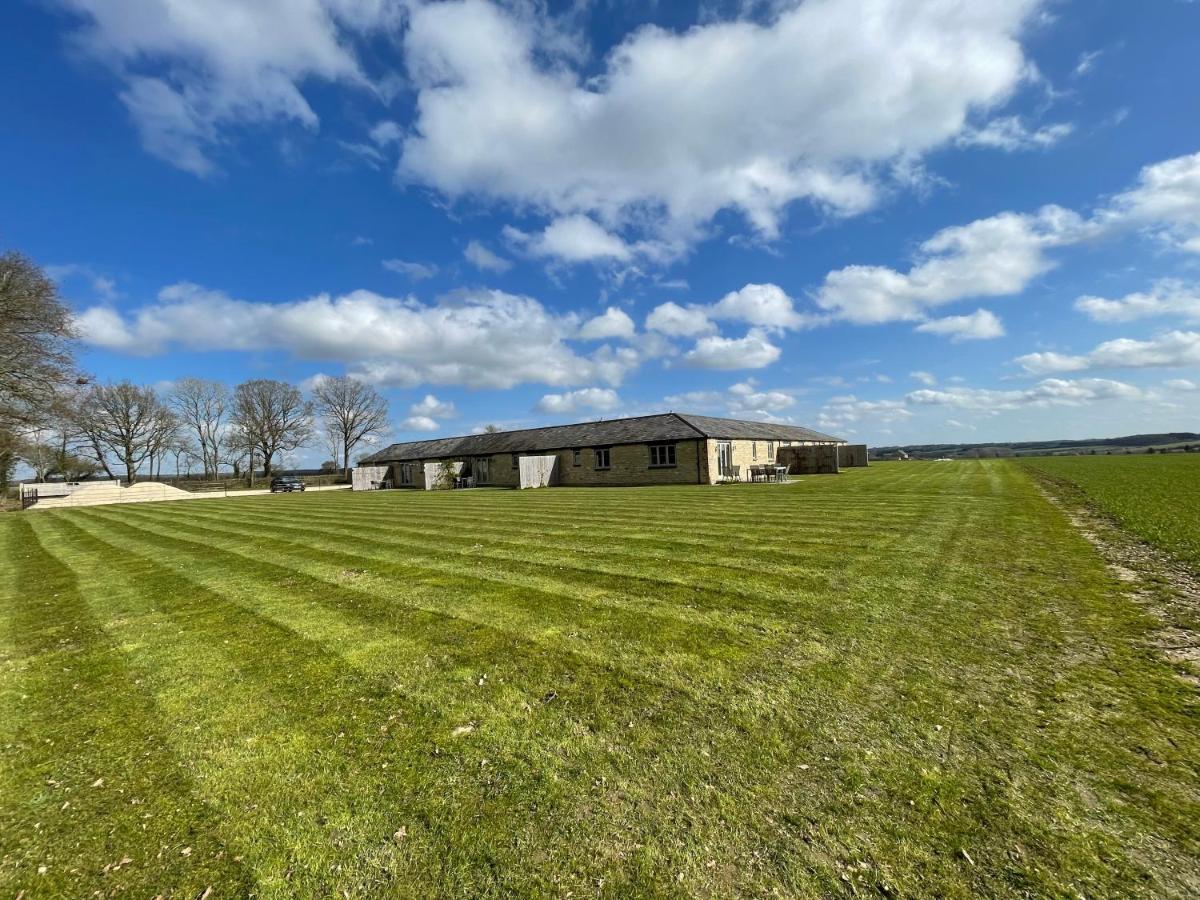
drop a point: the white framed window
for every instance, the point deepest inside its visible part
(577, 457)
(516, 460)
(603, 457)
(662, 455)
(754, 449)
(770, 451)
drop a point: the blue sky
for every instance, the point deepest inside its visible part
(897, 221)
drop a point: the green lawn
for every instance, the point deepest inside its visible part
(1155, 496)
(913, 679)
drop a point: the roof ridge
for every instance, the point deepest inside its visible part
(683, 417)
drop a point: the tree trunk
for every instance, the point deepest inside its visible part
(346, 459)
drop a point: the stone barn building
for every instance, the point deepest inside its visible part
(668, 448)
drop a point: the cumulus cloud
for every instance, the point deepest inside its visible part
(572, 239)
(471, 338)
(1165, 200)
(925, 378)
(1011, 133)
(414, 270)
(592, 398)
(1049, 392)
(754, 351)
(990, 257)
(482, 258)
(676, 126)
(419, 423)
(765, 305)
(612, 323)
(980, 325)
(1172, 349)
(847, 411)
(1167, 297)
(431, 406)
(744, 400)
(680, 321)
(1000, 255)
(191, 70)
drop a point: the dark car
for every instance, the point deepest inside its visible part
(286, 484)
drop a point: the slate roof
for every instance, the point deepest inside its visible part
(638, 430)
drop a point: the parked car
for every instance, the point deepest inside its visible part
(286, 484)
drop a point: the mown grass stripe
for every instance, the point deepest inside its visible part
(93, 792)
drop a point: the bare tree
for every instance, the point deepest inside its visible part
(351, 410)
(125, 421)
(35, 334)
(491, 429)
(202, 407)
(270, 417)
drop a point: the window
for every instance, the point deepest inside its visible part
(754, 449)
(602, 457)
(577, 457)
(516, 459)
(770, 451)
(662, 455)
(406, 473)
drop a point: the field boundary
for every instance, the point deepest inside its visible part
(1164, 586)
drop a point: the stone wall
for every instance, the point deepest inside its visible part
(368, 478)
(629, 464)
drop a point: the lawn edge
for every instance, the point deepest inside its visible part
(1163, 585)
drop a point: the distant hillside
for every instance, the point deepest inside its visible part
(1133, 443)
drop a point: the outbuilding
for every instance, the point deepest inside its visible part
(667, 448)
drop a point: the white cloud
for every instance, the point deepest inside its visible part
(980, 325)
(925, 378)
(744, 400)
(482, 258)
(419, 423)
(572, 239)
(414, 270)
(102, 286)
(191, 70)
(754, 351)
(846, 411)
(989, 257)
(612, 323)
(432, 407)
(1165, 200)
(386, 132)
(676, 126)
(1172, 349)
(471, 338)
(1087, 62)
(1182, 384)
(1000, 255)
(1049, 392)
(680, 321)
(592, 398)
(1167, 297)
(1011, 133)
(765, 305)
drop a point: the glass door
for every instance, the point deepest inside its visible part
(724, 459)
(482, 475)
